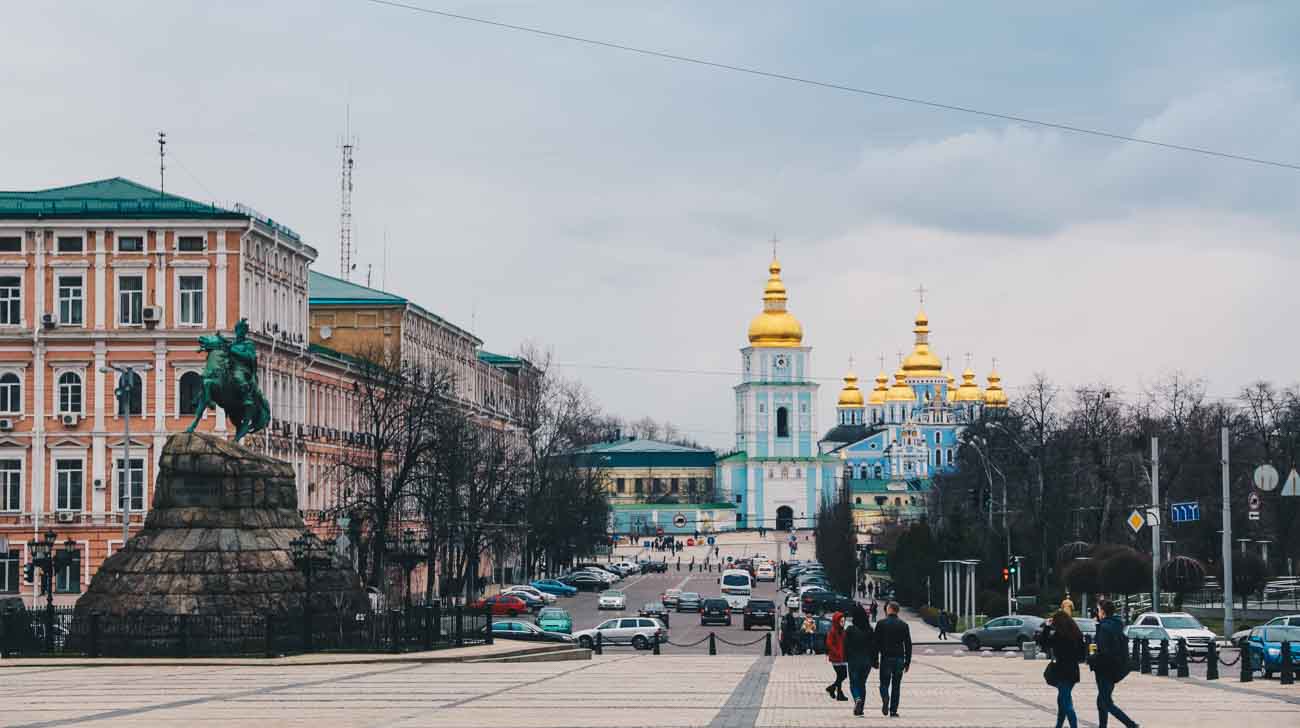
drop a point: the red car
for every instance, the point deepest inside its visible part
(503, 605)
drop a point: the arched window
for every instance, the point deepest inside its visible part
(190, 385)
(135, 399)
(857, 501)
(782, 422)
(878, 473)
(11, 393)
(69, 393)
(936, 438)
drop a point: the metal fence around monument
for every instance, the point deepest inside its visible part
(62, 633)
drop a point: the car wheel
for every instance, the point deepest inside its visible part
(640, 642)
(585, 642)
(972, 643)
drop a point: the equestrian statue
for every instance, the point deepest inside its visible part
(230, 381)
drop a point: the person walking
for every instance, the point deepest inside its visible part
(894, 645)
(1062, 640)
(808, 630)
(1067, 605)
(859, 654)
(943, 624)
(1110, 663)
(789, 629)
(835, 653)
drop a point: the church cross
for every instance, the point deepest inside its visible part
(775, 240)
(882, 361)
(920, 291)
(968, 358)
(850, 362)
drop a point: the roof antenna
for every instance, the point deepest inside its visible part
(346, 266)
(162, 162)
(370, 268)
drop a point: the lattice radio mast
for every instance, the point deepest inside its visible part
(345, 206)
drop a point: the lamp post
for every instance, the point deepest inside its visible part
(48, 560)
(308, 553)
(127, 374)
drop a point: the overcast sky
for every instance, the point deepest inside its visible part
(617, 208)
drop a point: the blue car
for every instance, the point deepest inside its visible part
(1265, 646)
(551, 586)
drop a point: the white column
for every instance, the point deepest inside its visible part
(160, 398)
(98, 466)
(162, 295)
(220, 316)
(101, 284)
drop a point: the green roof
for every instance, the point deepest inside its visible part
(326, 290)
(499, 360)
(107, 198)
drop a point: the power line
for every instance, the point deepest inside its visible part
(840, 87)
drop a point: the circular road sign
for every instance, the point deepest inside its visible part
(1266, 477)
(690, 542)
(679, 520)
(712, 540)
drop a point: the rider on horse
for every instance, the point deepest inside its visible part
(230, 380)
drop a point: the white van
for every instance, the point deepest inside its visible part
(737, 586)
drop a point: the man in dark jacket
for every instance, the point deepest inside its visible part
(894, 645)
(1110, 664)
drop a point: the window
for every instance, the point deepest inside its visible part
(639, 485)
(11, 300)
(672, 487)
(134, 398)
(190, 386)
(69, 479)
(130, 300)
(68, 579)
(11, 244)
(620, 485)
(69, 393)
(71, 296)
(191, 244)
(191, 302)
(70, 244)
(738, 497)
(136, 483)
(130, 244)
(11, 394)
(936, 438)
(782, 422)
(11, 476)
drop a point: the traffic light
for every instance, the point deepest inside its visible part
(1013, 566)
(1006, 576)
(29, 572)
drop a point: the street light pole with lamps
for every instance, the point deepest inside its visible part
(126, 376)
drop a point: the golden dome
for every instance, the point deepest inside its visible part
(900, 392)
(878, 392)
(850, 396)
(775, 326)
(994, 396)
(969, 391)
(922, 362)
(950, 392)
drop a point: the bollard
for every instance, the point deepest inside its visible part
(1135, 661)
(600, 644)
(1288, 671)
(767, 645)
(713, 644)
(1247, 671)
(1146, 656)
(1181, 661)
(679, 563)
(656, 644)
(1212, 661)
(1162, 662)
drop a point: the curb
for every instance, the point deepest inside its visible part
(541, 653)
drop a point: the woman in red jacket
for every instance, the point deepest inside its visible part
(835, 653)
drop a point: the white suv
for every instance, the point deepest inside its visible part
(1179, 624)
(636, 631)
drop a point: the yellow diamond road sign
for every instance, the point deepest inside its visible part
(1136, 521)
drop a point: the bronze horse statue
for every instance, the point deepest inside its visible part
(230, 381)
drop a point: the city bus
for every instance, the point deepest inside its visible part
(737, 586)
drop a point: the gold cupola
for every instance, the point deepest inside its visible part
(969, 391)
(850, 395)
(775, 326)
(950, 392)
(881, 389)
(994, 396)
(900, 392)
(922, 362)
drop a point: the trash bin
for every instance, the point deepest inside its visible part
(1030, 649)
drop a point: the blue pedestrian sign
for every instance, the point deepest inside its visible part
(1185, 512)
(711, 539)
(645, 544)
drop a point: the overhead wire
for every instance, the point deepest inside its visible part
(775, 75)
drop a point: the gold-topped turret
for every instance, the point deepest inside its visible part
(994, 396)
(950, 392)
(969, 391)
(850, 395)
(922, 362)
(900, 392)
(881, 389)
(775, 326)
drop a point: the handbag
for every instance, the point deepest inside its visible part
(1049, 674)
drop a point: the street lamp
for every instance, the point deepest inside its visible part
(406, 551)
(309, 553)
(49, 561)
(127, 374)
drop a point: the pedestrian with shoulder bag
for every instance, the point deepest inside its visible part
(1063, 640)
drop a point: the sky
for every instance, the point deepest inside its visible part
(617, 209)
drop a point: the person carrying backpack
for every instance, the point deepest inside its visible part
(1110, 663)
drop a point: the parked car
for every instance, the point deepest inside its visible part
(629, 567)
(514, 629)
(760, 611)
(1179, 625)
(818, 602)
(688, 602)
(583, 581)
(554, 586)
(1002, 632)
(669, 597)
(1153, 635)
(1286, 620)
(657, 610)
(715, 610)
(654, 567)
(534, 603)
(765, 572)
(592, 565)
(612, 599)
(531, 591)
(1088, 627)
(555, 619)
(636, 631)
(1264, 644)
(506, 605)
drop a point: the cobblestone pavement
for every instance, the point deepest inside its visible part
(734, 691)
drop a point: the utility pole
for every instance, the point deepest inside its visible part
(1155, 525)
(162, 162)
(126, 376)
(1227, 540)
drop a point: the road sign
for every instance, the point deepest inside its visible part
(690, 542)
(711, 540)
(646, 544)
(1184, 512)
(679, 520)
(1254, 515)
(1266, 477)
(1253, 501)
(1292, 486)
(1136, 521)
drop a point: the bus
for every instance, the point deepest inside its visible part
(737, 586)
